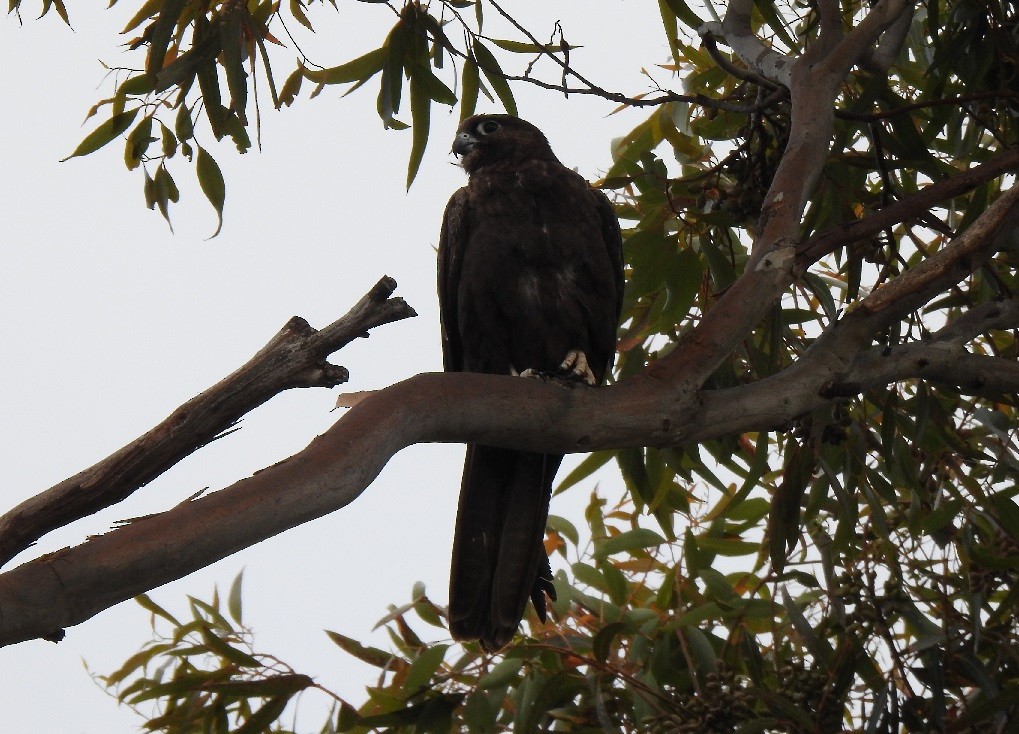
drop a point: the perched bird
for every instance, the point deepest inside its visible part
(530, 280)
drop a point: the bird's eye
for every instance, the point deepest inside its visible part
(488, 127)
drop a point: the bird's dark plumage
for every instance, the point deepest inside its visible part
(530, 273)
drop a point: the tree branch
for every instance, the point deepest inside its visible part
(878, 59)
(947, 266)
(943, 362)
(40, 598)
(295, 357)
(980, 320)
(735, 30)
(859, 42)
(913, 206)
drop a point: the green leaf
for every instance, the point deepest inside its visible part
(274, 685)
(145, 602)
(432, 85)
(727, 546)
(297, 10)
(564, 527)
(178, 687)
(225, 650)
(160, 34)
(701, 651)
(183, 125)
(786, 503)
(200, 61)
(292, 87)
(347, 718)
(361, 68)
(139, 84)
(519, 47)
(601, 645)
(169, 141)
(774, 20)
(493, 72)
(370, 655)
(262, 719)
(420, 110)
(138, 660)
(470, 82)
(1007, 513)
(208, 83)
(105, 133)
(423, 668)
(165, 192)
(630, 540)
(683, 12)
(819, 647)
(502, 674)
(428, 612)
(591, 463)
(233, 600)
(232, 41)
(213, 186)
(391, 85)
(137, 143)
(146, 11)
(983, 709)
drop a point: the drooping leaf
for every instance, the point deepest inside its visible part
(233, 601)
(233, 42)
(210, 178)
(160, 33)
(423, 667)
(420, 110)
(137, 143)
(370, 655)
(359, 69)
(495, 76)
(631, 540)
(105, 133)
(292, 87)
(469, 84)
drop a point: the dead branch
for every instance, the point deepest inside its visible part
(295, 357)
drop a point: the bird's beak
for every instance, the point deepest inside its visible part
(463, 144)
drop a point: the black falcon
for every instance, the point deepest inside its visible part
(530, 278)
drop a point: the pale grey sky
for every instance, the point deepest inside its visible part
(110, 321)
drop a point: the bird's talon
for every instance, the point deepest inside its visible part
(576, 367)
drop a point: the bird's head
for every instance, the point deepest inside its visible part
(482, 140)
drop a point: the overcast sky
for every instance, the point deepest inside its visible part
(109, 322)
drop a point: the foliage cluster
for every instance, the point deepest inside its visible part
(855, 569)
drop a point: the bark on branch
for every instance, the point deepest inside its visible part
(294, 357)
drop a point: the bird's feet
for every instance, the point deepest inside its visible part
(574, 368)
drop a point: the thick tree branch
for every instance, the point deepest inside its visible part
(980, 320)
(943, 362)
(947, 266)
(878, 59)
(736, 31)
(295, 357)
(859, 43)
(40, 598)
(830, 20)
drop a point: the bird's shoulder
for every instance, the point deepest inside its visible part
(533, 175)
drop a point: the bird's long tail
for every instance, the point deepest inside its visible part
(499, 559)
